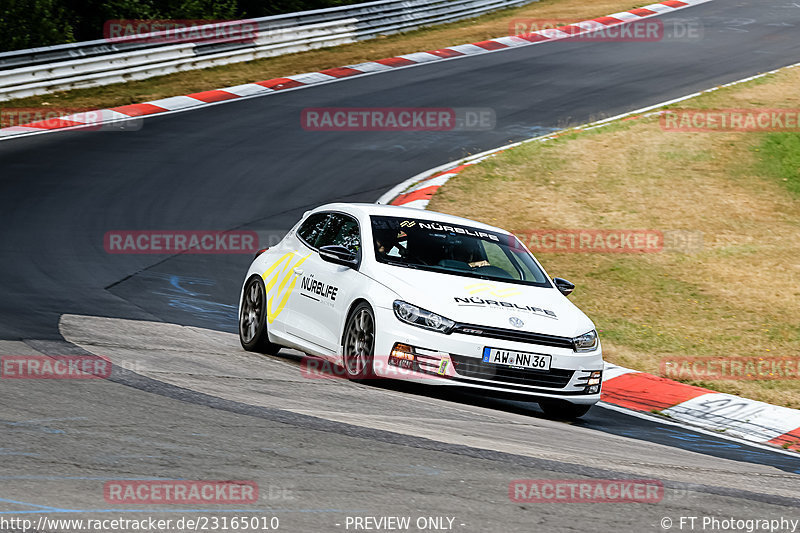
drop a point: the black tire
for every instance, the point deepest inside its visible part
(358, 343)
(563, 410)
(253, 319)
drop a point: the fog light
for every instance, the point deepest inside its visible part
(593, 382)
(402, 356)
(403, 351)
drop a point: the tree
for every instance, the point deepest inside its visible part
(33, 23)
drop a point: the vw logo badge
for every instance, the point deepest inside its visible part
(516, 322)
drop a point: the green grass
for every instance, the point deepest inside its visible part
(779, 156)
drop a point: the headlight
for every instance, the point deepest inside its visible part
(411, 314)
(586, 342)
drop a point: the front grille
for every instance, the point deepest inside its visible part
(473, 367)
(514, 335)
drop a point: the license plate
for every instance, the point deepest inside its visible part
(533, 361)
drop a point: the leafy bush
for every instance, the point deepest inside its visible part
(33, 23)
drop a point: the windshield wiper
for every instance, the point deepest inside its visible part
(400, 264)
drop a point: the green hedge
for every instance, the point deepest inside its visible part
(32, 23)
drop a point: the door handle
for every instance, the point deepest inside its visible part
(298, 271)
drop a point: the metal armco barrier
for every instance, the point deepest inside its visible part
(57, 68)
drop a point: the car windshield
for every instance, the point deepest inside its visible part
(454, 249)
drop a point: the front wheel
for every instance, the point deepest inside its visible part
(358, 344)
(252, 319)
(563, 410)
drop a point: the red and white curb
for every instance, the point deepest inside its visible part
(191, 101)
(750, 420)
(418, 190)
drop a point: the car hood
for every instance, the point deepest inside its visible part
(487, 303)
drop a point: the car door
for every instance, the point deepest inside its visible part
(283, 278)
(325, 289)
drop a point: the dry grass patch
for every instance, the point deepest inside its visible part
(478, 29)
(738, 296)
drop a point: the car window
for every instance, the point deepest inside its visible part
(343, 231)
(312, 228)
(519, 255)
(454, 249)
(496, 256)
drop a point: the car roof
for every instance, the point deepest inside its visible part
(399, 211)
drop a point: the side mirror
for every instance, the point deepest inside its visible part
(338, 255)
(564, 286)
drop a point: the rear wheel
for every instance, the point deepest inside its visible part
(563, 410)
(252, 319)
(358, 343)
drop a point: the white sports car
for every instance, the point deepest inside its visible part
(394, 292)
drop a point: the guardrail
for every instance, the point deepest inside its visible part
(35, 71)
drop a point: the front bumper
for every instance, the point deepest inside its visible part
(456, 360)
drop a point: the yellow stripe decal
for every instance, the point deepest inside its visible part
(281, 270)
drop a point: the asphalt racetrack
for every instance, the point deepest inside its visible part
(186, 402)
